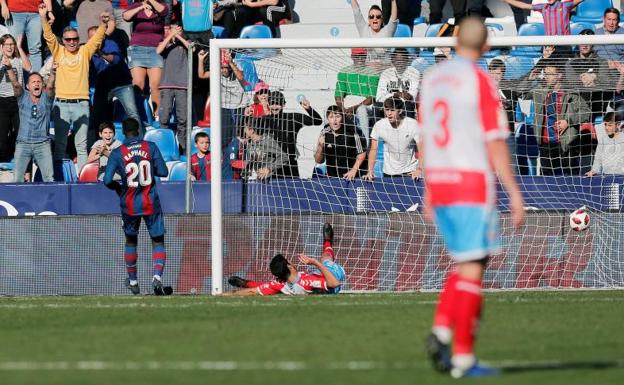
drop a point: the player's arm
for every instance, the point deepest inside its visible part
(109, 173)
(372, 157)
(247, 292)
(330, 281)
(160, 167)
(520, 4)
(499, 155)
(319, 155)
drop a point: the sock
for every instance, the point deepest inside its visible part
(443, 317)
(252, 284)
(159, 256)
(328, 248)
(130, 257)
(468, 311)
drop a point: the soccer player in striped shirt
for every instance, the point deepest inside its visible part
(139, 162)
(556, 14)
(464, 129)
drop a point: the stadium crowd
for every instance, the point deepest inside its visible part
(64, 64)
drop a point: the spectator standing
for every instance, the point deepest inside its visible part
(407, 11)
(72, 94)
(400, 136)
(401, 78)
(263, 155)
(521, 14)
(340, 146)
(33, 141)
(558, 115)
(16, 62)
(234, 96)
(200, 161)
(556, 14)
(609, 157)
(123, 29)
(286, 125)
(101, 150)
(148, 30)
(88, 15)
(173, 87)
(374, 26)
(611, 26)
(362, 81)
(110, 76)
(269, 12)
(21, 18)
(436, 7)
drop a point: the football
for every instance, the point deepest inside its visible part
(579, 220)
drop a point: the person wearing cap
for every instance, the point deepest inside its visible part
(285, 126)
(374, 27)
(233, 99)
(260, 105)
(361, 81)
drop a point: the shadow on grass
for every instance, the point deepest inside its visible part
(525, 367)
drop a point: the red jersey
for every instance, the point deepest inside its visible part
(31, 6)
(304, 284)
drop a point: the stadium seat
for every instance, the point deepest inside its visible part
(217, 31)
(7, 166)
(256, 32)
(119, 132)
(403, 30)
(89, 172)
(529, 29)
(433, 30)
(205, 122)
(166, 142)
(195, 132)
(591, 11)
(178, 172)
(517, 66)
(420, 20)
(577, 28)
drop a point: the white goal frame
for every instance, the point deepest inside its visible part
(424, 42)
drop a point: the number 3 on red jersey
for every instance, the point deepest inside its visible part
(441, 110)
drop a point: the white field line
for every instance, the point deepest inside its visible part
(256, 365)
(188, 302)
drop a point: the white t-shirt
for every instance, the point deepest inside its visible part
(390, 81)
(460, 111)
(399, 145)
(609, 156)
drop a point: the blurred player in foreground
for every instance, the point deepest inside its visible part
(138, 162)
(464, 131)
(289, 281)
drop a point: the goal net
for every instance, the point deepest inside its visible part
(301, 143)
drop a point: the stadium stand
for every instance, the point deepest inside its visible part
(591, 11)
(166, 141)
(178, 172)
(89, 172)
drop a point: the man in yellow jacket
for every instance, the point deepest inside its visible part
(71, 106)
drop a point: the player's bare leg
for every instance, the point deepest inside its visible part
(130, 259)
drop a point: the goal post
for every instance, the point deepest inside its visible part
(383, 206)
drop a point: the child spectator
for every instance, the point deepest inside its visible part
(200, 161)
(173, 86)
(609, 157)
(103, 147)
(260, 105)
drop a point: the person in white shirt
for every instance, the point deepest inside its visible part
(400, 136)
(609, 156)
(401, 78)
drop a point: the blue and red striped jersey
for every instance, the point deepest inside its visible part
(138, 162)
(556, 17)
(200, 167)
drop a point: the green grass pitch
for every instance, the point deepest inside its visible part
(547, 337)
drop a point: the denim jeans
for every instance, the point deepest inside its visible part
(40, 152)
(76, 116)
(167, 97)
(29, 24)
(103, 111)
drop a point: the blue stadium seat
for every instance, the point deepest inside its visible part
(66, 167)
(403, 30)
(217, 31)
(433, 29)
(419, 20)
(495, 26)
(517, 66)
(7, 166)
(178, 172)
(119, 132)
(259, 31)
(193, 133)
(577, 28)
(591, 11)
(529, 29)
(166, 142)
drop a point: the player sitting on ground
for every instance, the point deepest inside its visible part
(289, 281)
(139, 162)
